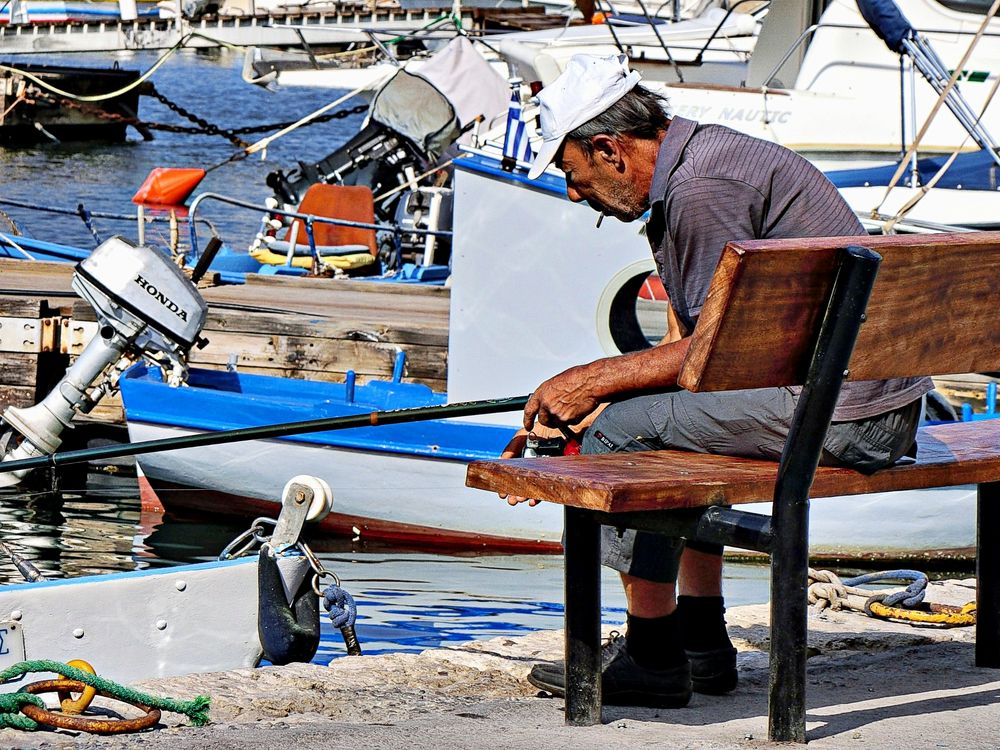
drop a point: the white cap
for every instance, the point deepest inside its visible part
(586, 88)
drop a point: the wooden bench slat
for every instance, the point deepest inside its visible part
(949, 454)
(758, 324)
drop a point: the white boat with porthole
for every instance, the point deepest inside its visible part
(523, 307)
(534, 288)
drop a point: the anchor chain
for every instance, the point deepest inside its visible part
(232, 134)
(204, 126)
(201, 126)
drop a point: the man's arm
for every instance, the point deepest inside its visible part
(569, 396)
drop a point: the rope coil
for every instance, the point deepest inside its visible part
(827, 591)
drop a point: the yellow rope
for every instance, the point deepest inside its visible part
(826, 590)
(940, 614)
(112, 94)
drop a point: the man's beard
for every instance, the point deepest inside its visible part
(628, 203)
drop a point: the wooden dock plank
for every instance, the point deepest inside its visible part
(280, 326)
(18, 368)
(312, 356)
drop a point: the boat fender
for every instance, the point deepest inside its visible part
(288, 627)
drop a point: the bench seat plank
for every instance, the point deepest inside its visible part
(948, 454)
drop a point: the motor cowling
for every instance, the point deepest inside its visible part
(138, 290)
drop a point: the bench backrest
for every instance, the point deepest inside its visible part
(932, 310)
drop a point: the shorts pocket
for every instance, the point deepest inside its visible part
(770, 452)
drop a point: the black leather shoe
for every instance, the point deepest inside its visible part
(623, 682)
(713, 672)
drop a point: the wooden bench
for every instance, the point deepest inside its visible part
(791, 312)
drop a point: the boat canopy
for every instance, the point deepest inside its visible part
(888, 22)
(431, 104)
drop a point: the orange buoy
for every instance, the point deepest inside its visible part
(168, 186)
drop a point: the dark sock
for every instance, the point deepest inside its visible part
(702, 622)
(655, 642)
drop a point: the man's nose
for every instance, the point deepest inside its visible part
(573, 194)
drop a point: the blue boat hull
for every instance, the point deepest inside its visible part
(402, 483)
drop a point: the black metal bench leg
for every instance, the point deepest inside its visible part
(789, 627)
(988, 576)
(583, 618)
(838, 332)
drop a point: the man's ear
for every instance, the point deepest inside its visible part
(608, 149)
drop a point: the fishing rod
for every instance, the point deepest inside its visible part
(370, 419)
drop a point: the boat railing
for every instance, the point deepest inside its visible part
(309, 220)
(141, 216)
(374, 35)
(664, 45)
(711, 38)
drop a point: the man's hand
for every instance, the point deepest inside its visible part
(514, 449)
(564, 399)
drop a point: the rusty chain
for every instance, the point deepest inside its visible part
(202, 126)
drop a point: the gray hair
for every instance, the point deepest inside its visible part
(641, 113)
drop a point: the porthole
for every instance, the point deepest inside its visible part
(632, 310)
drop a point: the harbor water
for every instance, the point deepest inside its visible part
(407, 600)
(104, 177)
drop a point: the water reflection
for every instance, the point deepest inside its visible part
(70, 531)
(407, 600)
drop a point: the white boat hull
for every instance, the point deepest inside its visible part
(387, 496)
(916, 525)
(138, 625)
(412, 499)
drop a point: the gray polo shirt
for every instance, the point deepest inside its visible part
(713, 185)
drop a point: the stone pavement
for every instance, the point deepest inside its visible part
(872, 684)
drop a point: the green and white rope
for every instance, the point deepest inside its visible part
(195, 709)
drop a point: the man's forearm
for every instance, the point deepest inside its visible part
(570, 395)
(648, 369)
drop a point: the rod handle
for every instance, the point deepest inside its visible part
(205, 260)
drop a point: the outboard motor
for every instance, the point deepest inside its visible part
(146, 307)
(404, 151)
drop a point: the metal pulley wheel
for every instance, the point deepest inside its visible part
(322, 496)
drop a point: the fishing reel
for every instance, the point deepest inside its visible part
(146, 308)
